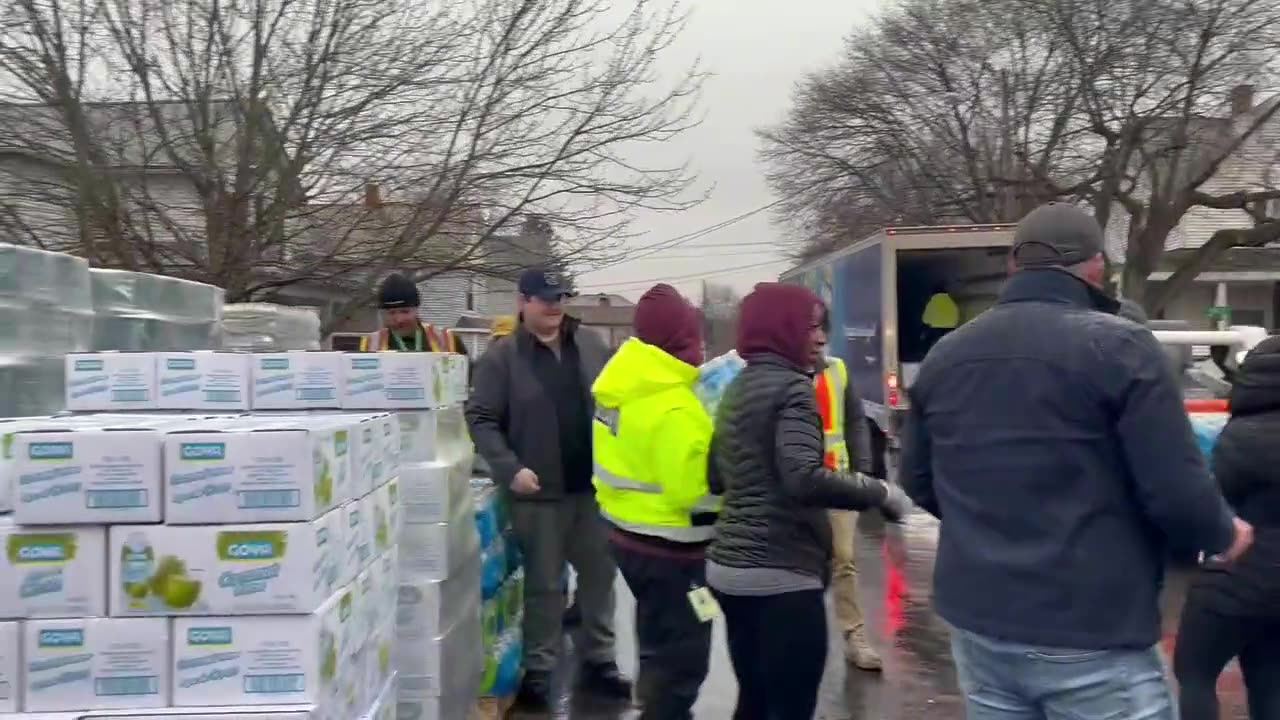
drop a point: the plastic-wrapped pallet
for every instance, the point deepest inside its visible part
(264, 327)
(502, 594)
(714, 377)
(1207, 427)
(140, 311)
(45, 311)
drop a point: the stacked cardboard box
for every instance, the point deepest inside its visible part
(192, 565)
(438, 652)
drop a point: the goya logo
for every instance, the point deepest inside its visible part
(251, 546)
(50, 451)
(274, 364)
(69, 638)
(88, 366)
(202, 451)
(41, 548)
(364, 363)
(180, 364)
(209, 636)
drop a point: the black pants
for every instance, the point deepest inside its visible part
(675, 647)
(1206, 643)
(778, 645)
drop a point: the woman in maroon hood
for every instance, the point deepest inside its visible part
(769, 563)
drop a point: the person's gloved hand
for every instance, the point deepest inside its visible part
(896, 504)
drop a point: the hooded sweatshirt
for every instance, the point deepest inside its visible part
(666, 320)
(777, 319)
(651, 428)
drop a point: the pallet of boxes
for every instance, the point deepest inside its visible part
(438, 653)
(173, 555)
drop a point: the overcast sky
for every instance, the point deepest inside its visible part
(756, 50)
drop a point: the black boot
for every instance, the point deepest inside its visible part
(604, 680)
(534, 695)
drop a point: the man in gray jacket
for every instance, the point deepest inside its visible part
(530, 417)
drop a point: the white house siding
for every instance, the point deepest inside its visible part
(32, 201)
(1255, 166)
(444, 298)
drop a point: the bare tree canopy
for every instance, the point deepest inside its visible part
(960, 111)
(259, 144)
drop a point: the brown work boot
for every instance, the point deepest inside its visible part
(859, 652)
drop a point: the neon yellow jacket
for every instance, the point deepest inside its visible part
(651, 440)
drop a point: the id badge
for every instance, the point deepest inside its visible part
(704, 604)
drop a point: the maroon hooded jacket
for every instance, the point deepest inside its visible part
(777, 319)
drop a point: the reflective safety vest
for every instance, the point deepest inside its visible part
(651, 438)
(831, 385)
(941, 313)
(435, 342)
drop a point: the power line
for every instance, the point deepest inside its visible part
(677, 278)
(648, 250)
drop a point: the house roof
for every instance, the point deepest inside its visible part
(605, 315)
(1241, 259)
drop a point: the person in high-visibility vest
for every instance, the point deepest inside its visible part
(651, 438)
(398, 299)
(844, 428)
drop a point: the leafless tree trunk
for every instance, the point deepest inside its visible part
(231, 141)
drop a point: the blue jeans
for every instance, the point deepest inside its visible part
(1010, 681)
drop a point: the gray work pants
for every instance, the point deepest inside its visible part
(551, 532)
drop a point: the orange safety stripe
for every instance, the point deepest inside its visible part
(826, 410)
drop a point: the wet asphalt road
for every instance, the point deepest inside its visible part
(918, 681)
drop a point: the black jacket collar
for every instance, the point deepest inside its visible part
(1056, 286)
(525, 339)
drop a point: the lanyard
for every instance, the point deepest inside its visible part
(417, 341)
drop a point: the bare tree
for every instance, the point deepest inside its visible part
(972, 112)
(231, 141)
(927, 117)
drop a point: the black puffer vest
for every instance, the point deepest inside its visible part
(1246, 463)
(760, 525)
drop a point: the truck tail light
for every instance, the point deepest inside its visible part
(891, 387)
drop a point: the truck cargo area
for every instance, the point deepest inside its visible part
(971, 276)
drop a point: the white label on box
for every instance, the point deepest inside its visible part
(10, 665)
(111, 381)
(433, 492)
(225, 569)
(393, 381)
(53, 571)
(271, 660)
(8, 434)
(431, 435)
(90, 475)
(297, 380)
(96, 664)
(255, 474)
(202, 380)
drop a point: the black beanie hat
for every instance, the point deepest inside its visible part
(398, 291)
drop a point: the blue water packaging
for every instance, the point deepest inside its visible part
(1207, 427)
(714, 377)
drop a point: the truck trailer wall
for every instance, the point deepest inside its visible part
(850, 285)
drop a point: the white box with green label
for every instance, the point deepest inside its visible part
(87, 475)
(95, 664)
(295, 469)
(203, 380)
(297, 380)
(53, 571)
(106, 381)
(245, 660)
(8, 432)
(393, 381)
(10, 665)
(268, 568)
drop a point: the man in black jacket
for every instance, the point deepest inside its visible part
(530, 418)
(1049, 437)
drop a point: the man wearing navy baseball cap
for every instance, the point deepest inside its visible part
(530, 418)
